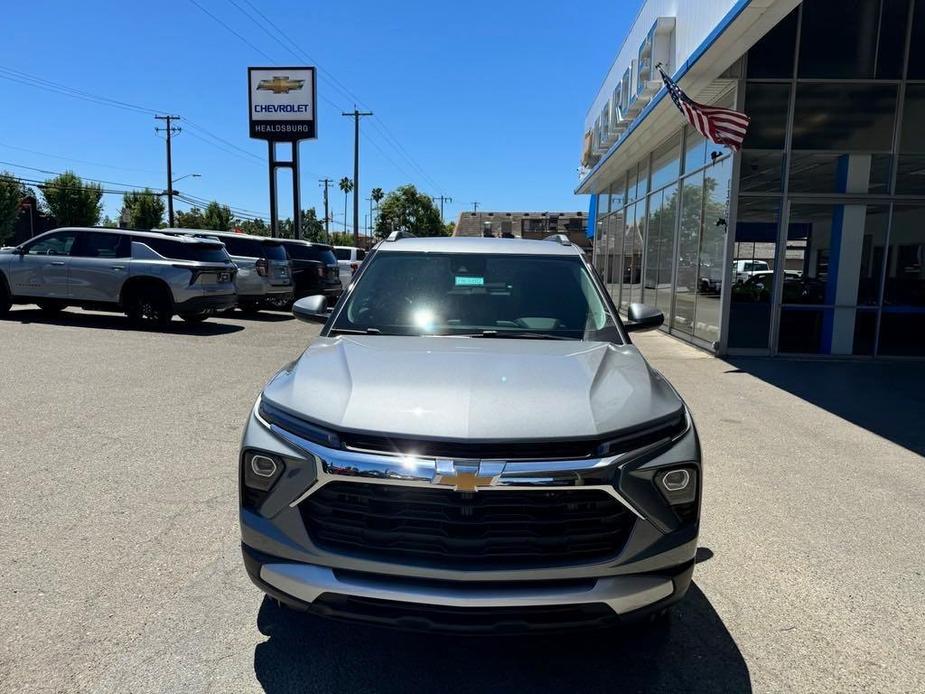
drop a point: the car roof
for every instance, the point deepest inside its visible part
(135, 233)
(220, 234)
(475, 244)
(303, 242)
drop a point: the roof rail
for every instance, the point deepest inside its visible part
(559, 238)
(398, 235)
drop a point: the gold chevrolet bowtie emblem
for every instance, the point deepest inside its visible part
(466, 476)
(280, 85)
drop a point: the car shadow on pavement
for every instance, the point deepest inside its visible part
(262, 316)
(883, 397)
(693, 652)
(117, 321)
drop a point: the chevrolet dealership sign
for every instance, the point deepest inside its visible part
(282, 103)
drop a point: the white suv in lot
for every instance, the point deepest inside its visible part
(349, 258)
(149, 276)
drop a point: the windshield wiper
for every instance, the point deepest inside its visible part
(519, 335)
(350, 331)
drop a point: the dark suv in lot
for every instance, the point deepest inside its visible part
(314, 270)
(472, 442)
(149, 276)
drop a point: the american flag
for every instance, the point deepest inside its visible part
(722, 125)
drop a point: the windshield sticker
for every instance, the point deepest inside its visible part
(469, 281)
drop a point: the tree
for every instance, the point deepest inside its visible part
(312, 227)
(143, 210)
(407, 209)
(12, 193)
(71, 201)
(255, 227)
(345, 185)
(217, 217)
(449, 227)
(192, 219)
(376, 194)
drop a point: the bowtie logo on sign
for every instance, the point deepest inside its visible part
(280, 85)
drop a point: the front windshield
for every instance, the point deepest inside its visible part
(477, 295)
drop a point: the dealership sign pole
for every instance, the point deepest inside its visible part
(282, 108)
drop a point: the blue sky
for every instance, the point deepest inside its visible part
(485, 99)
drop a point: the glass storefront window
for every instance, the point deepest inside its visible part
(761, 171)
(716, 186)
(695, 150)
(767, 104)
(910, 175)
(814, 172)
(916, 69)
(857, 117)
(614, 231)
(629, 234)
(772, 56)
(753, 261)
(686, 281)
(850, 50)
(834, 259)
(666, 162)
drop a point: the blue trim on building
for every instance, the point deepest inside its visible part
(682, 70)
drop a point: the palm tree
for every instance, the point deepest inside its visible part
(376, 194)
(345, 185)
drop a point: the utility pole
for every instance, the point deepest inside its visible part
(475, 206)
(327, 218)
(356, 115)
(442, 199)
(169, 130)
(369, 224)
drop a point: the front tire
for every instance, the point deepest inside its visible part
(5, 302)
(150, 308)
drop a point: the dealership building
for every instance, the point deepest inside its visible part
(811, 239)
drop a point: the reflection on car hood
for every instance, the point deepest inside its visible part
(464, 388)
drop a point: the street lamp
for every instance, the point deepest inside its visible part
(170, 193)
(189, 175)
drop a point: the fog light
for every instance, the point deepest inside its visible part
(676, 480)
(264, 466)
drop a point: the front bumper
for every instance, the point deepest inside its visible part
(465, 607)
(651, 570)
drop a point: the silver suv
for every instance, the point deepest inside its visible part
(264, 278)
(471, 443)
(149, 276)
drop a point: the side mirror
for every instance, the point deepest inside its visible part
(641, 317)
(311, 309)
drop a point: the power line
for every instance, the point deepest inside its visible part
(48, 85)
(228, 28)
(79, 161)
(85, 178)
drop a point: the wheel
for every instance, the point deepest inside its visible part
(5, 302)
(197, 317)
(51, 307)
(149, 308)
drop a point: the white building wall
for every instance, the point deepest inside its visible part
(695, 20)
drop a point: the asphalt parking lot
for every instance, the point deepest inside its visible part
(120, 568)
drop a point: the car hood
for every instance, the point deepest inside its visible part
(473, 389)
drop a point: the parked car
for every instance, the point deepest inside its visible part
(473, 442)
(743, 269)
(264, 279)
(314, 270)
(796, 290)
(149, 276)
(349, 258)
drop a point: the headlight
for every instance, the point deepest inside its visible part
(272, 414)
